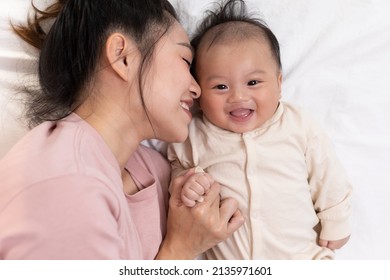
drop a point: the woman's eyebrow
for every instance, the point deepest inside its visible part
(187, 45)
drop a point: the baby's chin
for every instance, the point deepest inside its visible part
(240, 131)
(241, 128)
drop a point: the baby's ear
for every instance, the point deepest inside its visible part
(280, 78)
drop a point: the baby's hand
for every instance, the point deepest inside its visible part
(333, 244)
(195, 187)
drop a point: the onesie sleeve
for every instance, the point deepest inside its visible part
(329, 186)
(180, 157)
(74, 217)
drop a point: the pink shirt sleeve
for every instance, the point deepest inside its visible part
(61, 227)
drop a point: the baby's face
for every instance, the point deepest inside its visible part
(240, 82)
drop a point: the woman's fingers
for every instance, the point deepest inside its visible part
(177, 185)
(231, 215)
(222, 216)
(191, 231)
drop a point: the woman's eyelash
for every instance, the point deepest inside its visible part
(189, 63)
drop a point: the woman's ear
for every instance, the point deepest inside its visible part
(117, 51)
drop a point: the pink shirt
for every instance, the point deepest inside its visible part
(61, 197)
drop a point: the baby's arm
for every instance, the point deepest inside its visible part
(333, 244)
(330, 189)
(195, 187)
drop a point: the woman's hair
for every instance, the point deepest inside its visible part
(70, 50)
(231, 21)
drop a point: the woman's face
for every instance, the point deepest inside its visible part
(170, 87)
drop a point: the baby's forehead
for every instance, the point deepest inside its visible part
(233, 31)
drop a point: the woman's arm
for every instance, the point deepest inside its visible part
(72, 217)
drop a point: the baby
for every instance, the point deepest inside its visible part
(269, 155)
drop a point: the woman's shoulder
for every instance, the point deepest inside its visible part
(57, 150)
(150, 159)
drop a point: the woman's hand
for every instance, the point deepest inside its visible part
(191, 231)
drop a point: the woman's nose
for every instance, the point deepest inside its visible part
(195, 89)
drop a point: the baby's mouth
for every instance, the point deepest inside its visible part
(241, 113)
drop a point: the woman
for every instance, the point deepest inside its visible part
(79, 185)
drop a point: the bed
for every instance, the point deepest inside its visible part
(336, 64)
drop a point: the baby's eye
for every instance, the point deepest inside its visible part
(221, 87)
(253, 83)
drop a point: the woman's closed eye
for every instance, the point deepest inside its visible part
(187, 61)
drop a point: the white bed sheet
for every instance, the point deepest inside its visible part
(336, 64)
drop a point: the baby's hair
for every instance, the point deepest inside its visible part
(231, 21)
(70, 50)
